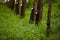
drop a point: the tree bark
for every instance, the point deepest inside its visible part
(39, 12)
(34, 11)
(23, 8)
(49, 17)
(17, 9)
(11, 4)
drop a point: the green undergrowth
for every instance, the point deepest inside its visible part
(13, 27)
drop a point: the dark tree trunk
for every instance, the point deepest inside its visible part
(49, 17)
(7, 2)
(34, 11)
(39, 12)
(17, 9)
(23, 8)
(11, 4)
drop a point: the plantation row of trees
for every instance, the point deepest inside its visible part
(20, 6)
(37, 11)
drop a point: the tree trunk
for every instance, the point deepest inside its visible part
(39, 12)
(34, 11)
(49, 17)
(11, 4)
(17, 9)
(23, 8)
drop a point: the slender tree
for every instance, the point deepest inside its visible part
(39, 12)
(17, 9)
(49, 17)
(23, 8)
(11, 4)
(34, 11)
(7, 2)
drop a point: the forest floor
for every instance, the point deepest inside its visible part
(13, 27)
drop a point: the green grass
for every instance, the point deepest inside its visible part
(13, 27)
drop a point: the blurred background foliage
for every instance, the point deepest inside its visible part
(12, 27)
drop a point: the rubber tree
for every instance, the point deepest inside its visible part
(17, 7)
(23, 8)
(11, 4)
(49, 17)
(34, 12)
(39, 12)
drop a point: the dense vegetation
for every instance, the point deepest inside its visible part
(13, 27)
